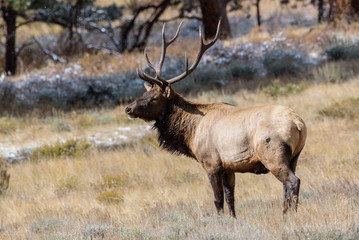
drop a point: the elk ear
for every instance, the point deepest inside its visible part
(168, 92)
(147, 86)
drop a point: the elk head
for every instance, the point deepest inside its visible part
(152, 104)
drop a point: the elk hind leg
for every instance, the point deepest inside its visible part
(229, 183)
(291, 184)
(279, 163)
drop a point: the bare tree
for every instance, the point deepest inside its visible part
(9, 16)
(212, 12)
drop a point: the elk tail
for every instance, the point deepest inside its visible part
(300, 124)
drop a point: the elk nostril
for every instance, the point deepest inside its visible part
(128, 110)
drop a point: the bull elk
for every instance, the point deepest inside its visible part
(224, 139)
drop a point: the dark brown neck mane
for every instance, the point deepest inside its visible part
(177, 126)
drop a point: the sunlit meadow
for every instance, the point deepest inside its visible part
(95, 174)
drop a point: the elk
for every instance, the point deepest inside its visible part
(224, 139)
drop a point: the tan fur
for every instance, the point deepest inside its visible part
(237, 138)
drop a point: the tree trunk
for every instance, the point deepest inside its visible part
(212, 11)
(355, 6)
(73, 23)
(9, 16)
(320, 10)
(258, 13)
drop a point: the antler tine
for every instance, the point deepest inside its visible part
(157, 68)
(148, 60)
(176, 35)
(165, 46)
(147, 77)
(202, 50)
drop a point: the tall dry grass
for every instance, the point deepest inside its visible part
(142, 192)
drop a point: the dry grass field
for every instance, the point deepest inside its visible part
(138, 191)
(95, 174)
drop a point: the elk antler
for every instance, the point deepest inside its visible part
(157, 68)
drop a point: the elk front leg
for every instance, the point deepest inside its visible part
(228, 183)
(216, 180)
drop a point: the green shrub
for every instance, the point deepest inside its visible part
(3, 163)
(333, 72)
(348, 108)
(109, 197)
(84, 121)
(48, 225)
(132, 233)
(242, 71)
(279, 62)
(60, 126)
(279, 89)
(69, 183)
(341, 52)
(109, 187)
(70, 148)
(103, 231)
(9, 125)
(111, 182)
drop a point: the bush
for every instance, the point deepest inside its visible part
(70, 148)
(278, 89)
(332, 72)
(46, 225)
(59, 125)
(279, 62)
(340, 52)
(348, 108)
(109, 197)
(9, 125)
(245, 72)
(98, 231)
(111, 182)
(338, 47)
(69, 183)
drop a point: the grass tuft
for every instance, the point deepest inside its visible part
(69, 183)
(185, 177)
(332, 72)
(70, 148)
(60, 126)
(9, 125)
(109, 197)
(347, 108)
(111, 182)
(279, 89)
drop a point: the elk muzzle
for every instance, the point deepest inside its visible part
(129, 110)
